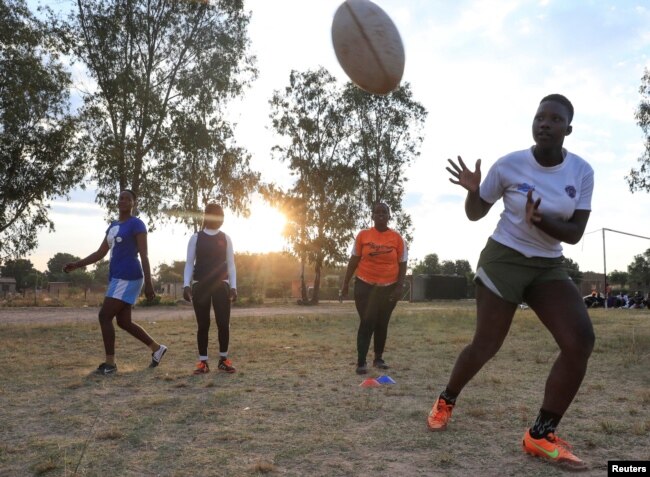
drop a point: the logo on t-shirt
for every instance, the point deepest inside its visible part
(379, 249)
(524, 187)
(571, 191)
(111, 236)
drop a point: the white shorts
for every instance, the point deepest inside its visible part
(125, 290)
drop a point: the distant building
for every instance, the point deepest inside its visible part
(174, 290)
(592, 281)
(7, 286)
(54, 288)
(438, 287)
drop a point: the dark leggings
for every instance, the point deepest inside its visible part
(203, 296)
(112, 307)
(375, 307)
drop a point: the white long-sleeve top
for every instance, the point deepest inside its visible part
(191, 258)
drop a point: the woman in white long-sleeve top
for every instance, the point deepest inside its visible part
(210, 280)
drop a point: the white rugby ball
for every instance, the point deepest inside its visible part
(368, 46)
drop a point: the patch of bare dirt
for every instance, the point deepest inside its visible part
(53, 315)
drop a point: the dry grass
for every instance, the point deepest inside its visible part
(295, 406)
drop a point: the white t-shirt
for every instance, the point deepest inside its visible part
(191, 256)
(563, 189)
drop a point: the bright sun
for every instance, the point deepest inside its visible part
(260, 232)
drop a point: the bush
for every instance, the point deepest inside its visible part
(249, 300)
(158, 300)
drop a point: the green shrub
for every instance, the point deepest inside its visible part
(158, 300)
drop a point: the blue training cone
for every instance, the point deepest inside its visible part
(385, 380)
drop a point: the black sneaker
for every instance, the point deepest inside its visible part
(362, 368)
(106, 369)
(157, 356)
(380, 364)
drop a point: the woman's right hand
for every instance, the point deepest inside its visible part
(187, 293)
(462, 176)
(344, 290)
(68, 267)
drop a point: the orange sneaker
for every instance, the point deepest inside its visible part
(553, 449)
(439, 416)
(202, 367)
(226, 365)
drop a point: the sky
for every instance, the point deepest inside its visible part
(480, 68)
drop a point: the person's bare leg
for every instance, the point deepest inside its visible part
(493, 319)
(560, 308)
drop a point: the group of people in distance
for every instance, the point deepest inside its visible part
(620, 300)
(546, 191)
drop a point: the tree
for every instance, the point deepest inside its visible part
(386, 136)
(101, 272)
(36, 130)
(171, 273)
(573, 269)
(22, 271)
(639, 271)
(459, 267)
(639, 179)
(78, 278)
(429, 266)
(618, 278)
(164, 71)
(321, 218)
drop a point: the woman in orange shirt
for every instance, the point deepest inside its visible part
(379, 258)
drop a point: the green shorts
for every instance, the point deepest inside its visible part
(509, 274)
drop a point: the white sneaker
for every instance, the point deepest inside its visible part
(156, 356)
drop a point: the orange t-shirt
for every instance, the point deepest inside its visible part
(381, 253)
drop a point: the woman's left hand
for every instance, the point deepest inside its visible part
(396, 294)
(148, 291)
(533, 216)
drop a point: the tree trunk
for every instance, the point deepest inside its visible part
(316, 294)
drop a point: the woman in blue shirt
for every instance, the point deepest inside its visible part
(126, 238)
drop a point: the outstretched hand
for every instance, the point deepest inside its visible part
(462, 176)
(68, 267)
(533, 216)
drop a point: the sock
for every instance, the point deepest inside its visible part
(223, 356)
(545, 424)
(449, 396)
(203, 358)
(110, 360)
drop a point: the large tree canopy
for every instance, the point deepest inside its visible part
(36, 131)
(347, 150)
(430, 265)
(639, 179)
(321, 216)
(23, 271)
(164, 71)
(386, 136)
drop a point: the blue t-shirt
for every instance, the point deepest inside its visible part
(121, 239)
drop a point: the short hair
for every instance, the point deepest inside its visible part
(374, 206)
(213, 209)
(212, 213)
(563, 100)
(130, 192)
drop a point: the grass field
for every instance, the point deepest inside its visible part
(295, 406)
